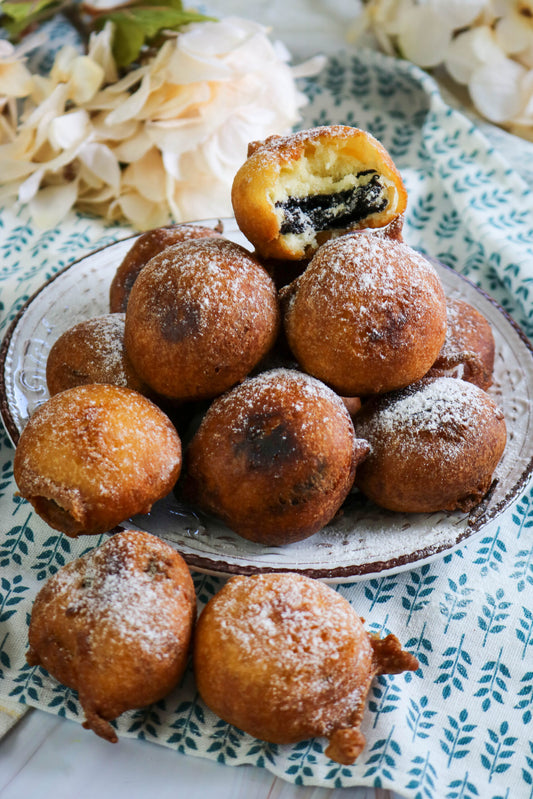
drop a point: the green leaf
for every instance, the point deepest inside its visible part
(16, 17)
(177, 5)
(137, 25)
(21, 11)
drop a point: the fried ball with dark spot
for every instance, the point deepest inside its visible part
(201, 315)
(274, 458)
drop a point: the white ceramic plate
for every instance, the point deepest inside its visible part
(362, 540)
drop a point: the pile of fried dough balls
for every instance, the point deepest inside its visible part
(325, 359)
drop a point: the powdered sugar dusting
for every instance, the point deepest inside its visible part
(450, 409)
(96, 346)
(300, 138)
(360, 282)
(123, 591)
(112, 437)
(369, 262)
(306, 636)
(267, 390)
(214, 276)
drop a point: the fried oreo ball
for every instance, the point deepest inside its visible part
(469, 348)
(367, 316)
(92, 352)
(434, 446)
(274, 458)
(142, 250)
(200, 316)
(285, 658)
(95, 455)
(294, 192)
(115, 625)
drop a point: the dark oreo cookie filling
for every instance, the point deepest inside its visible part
(340, 209)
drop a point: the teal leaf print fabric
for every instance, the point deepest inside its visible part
(459, 726)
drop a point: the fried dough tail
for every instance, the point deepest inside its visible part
(390, 658)
(345, 745)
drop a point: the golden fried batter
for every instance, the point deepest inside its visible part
(434, 446)
(94, 455)
(284, 658)
(92, 352)
(115, 625)
(469, 348)
(367, 316)
(200, 316)
(142, 250)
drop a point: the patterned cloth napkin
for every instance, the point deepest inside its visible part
(457, 727)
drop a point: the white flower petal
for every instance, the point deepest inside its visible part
(50, 108)
(86, 79)
(131, 107)
(139, 211)
(51, 204)
(29, 188)
(173, 100)
(513, 34)
(495, 90)
(69, 130)
(310, 67)
(208, 197)
(60, 72)
(118, 132)
(458, 14)
(147, 176)
(100, 51)
(134, 147)
(390, 15)
(15, 79)
(424, 39)
(102, 162)
(190, 67)
(15, 158)
(469, 50)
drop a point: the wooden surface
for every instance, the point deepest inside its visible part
(47, 756)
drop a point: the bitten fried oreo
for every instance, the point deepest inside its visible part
(367, 316)
(433, 446)
(201, 316)
(294, 192)
(274, 458)
(286, 658)
(94, 455)
(115, 625)
(142, 250)
(92, 352)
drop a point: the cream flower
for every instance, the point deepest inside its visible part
(15, 82)
(486, 45)
(162, 142)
